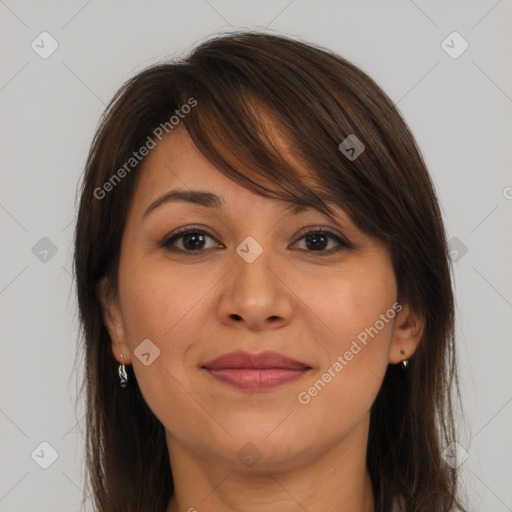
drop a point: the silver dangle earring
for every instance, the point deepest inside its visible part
(405, 362)
(123, 376)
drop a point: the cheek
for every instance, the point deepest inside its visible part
(159, 302)
(366, 318)
(163, 307)
(358, 310)
(348, 306)
(341, 392)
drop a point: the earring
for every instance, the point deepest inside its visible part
(123, 376)
(405, 362)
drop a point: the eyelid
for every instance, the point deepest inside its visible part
(185, 230)
(330, 232)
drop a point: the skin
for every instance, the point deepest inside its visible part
(292, 300)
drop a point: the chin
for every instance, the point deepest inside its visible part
(267, 447)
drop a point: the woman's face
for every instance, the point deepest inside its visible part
(250, 280)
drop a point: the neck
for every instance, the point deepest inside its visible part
(336, 480)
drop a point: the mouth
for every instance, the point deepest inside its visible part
(255, 372)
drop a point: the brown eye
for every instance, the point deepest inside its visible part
(317, 241)
(195, 241)
(191, 240)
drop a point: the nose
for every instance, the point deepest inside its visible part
(256, 295)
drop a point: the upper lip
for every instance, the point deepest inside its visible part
(263, 360)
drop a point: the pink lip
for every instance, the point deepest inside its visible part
(255, 372)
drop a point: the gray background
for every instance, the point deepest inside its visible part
(458, 108)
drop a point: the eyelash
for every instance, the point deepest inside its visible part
(167, 243)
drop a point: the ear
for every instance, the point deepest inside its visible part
(407, 333)
(113, 319)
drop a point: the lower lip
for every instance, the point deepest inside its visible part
(256, 379)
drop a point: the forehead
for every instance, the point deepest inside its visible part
(177, 170)
(176, 163)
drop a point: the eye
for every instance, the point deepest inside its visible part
(318, 239)
(192, 240)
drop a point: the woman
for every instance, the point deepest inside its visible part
(264, 291)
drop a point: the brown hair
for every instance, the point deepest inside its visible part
(316, 99)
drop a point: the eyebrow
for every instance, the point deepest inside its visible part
(203, 198)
